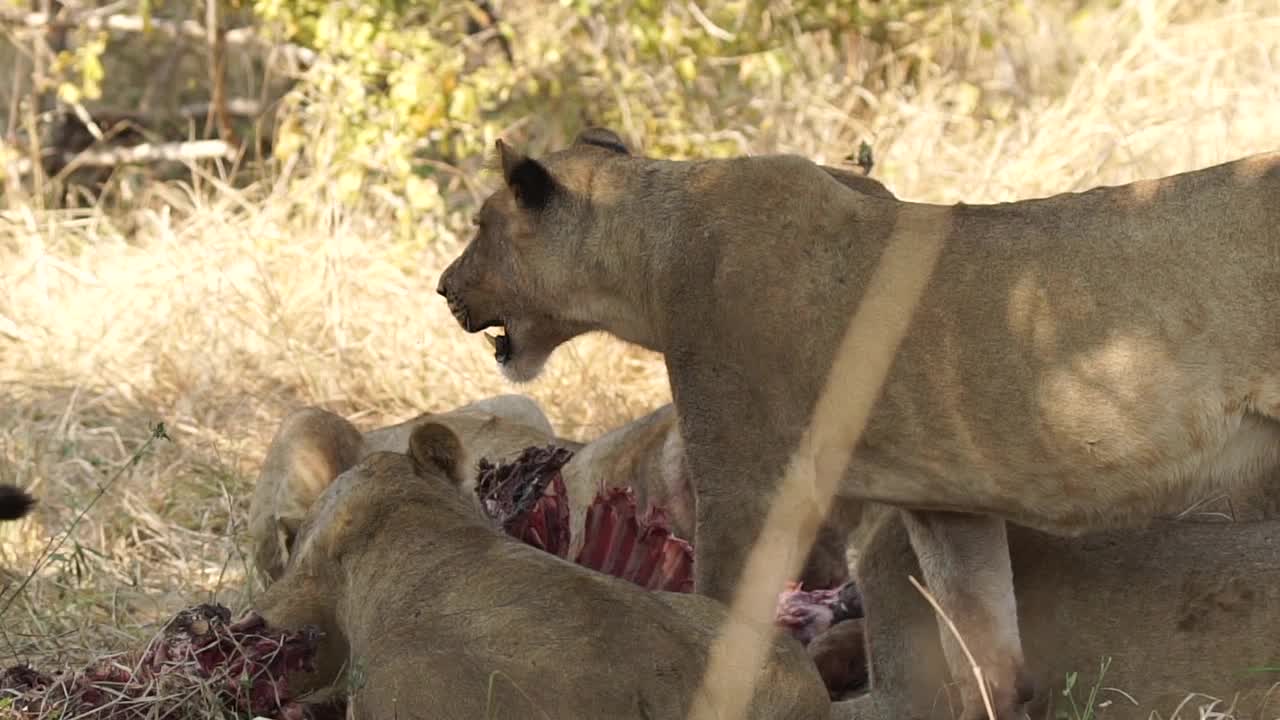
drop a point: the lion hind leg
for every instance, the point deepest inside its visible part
(965, 562)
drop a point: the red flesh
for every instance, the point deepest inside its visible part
(528, 500)
(243, 664)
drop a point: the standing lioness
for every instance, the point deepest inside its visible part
(1076, 362)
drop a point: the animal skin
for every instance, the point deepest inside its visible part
(647, 455)
(1179, 608)
(434, 613)
(1074, 363)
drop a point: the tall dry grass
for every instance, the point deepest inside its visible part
(218, 310)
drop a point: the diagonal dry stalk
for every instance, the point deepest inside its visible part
(973, 664)
(56, 542)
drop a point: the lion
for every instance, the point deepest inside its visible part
(433, 612)
(313, 446)
(1172, 615)
(1074, 363)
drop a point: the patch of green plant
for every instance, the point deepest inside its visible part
(1075, 711)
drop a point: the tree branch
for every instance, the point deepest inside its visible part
(143, 153)
(216, 44)
(173, 29)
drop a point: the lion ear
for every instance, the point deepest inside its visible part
(527, 178)
(602, 137)
(435, 449)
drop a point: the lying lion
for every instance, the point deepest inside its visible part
(312, 446)
(1183, 611)
(1071, 363)
(434, 613)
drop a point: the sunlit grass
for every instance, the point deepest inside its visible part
(217, 310)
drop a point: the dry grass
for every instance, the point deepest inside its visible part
(217, 310)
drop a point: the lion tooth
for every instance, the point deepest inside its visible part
(493, 340)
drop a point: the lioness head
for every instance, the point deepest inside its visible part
(559, 248)
(521, 273)
(361, 507)
(351, 510)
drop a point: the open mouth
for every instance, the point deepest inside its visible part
(501, 347)
(501, 342)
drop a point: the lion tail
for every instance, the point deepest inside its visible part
(14, 502)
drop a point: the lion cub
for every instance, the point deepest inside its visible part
(1184, 611)
(437, 614)
(312, 446)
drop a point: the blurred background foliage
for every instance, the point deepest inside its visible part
(399, 102)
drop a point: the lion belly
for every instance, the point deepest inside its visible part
(1084, 373)
(1076, 458)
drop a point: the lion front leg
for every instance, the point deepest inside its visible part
(737, 445)
(749, 540)
(746, 530)
(728, 528)
(965, 562)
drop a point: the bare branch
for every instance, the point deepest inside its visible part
(238, 106)
(173, 29)
(216, 45)
(143, 153)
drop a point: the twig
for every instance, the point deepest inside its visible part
(35, 105)
(143, 153)
(157, 433)
(712, 29)
(239, 106)
(977, 671)
(215, 47)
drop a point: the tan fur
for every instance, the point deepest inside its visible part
(438, 615)
(1260, 501)
(313, 446)
(1079, 362)
(1180, 608)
